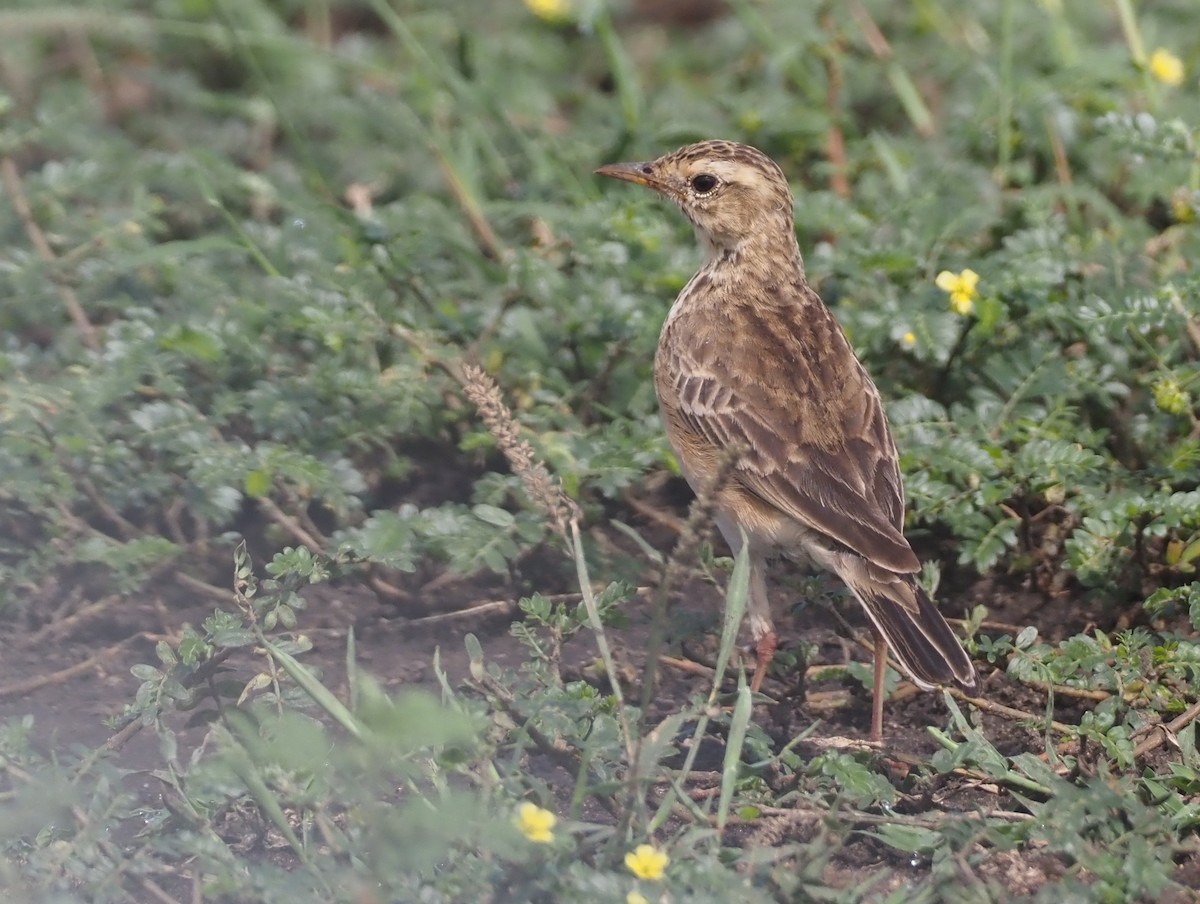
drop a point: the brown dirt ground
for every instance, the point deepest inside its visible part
(41, 674)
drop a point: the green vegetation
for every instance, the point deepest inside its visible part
(252, 251)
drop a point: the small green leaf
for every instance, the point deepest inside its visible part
(257, 484)
(474, 655)
(497, 517)
(165, 654)
(144, 672)
(233, 637)
(910, 839)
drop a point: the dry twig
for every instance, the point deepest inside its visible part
(290, 524)
(1163, 733)
(489, 243)
(1010, 712)
(16, 193)
(36, 682)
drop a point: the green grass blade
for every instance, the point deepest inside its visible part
(320, 694)
(731, 768)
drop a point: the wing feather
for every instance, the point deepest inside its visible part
(817, 443)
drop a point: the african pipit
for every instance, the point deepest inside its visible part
(750, 359)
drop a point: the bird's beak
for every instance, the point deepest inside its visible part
(637, 173)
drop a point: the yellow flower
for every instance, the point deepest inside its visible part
(1183, 205)
(536, 823)
(550, 10)
(636, 897)
(1166, 67)
(646, 862)
(908, 340)
(1170, 397)
(963, 287)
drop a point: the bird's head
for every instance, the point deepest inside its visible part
(732, 193)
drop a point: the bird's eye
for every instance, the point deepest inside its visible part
(703, 183)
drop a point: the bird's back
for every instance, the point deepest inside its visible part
(767, 366)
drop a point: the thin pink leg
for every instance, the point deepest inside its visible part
(881, 649)
(764, 652)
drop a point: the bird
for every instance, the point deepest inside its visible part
(752, 365)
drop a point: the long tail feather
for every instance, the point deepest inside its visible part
(924, 645)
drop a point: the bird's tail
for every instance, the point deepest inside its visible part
(924, 645)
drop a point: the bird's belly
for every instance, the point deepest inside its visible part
(767, 528)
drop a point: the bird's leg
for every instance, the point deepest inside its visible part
(764, 652)
(881, 649)
(758, 614)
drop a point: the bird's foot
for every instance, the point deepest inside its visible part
(764, 652)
